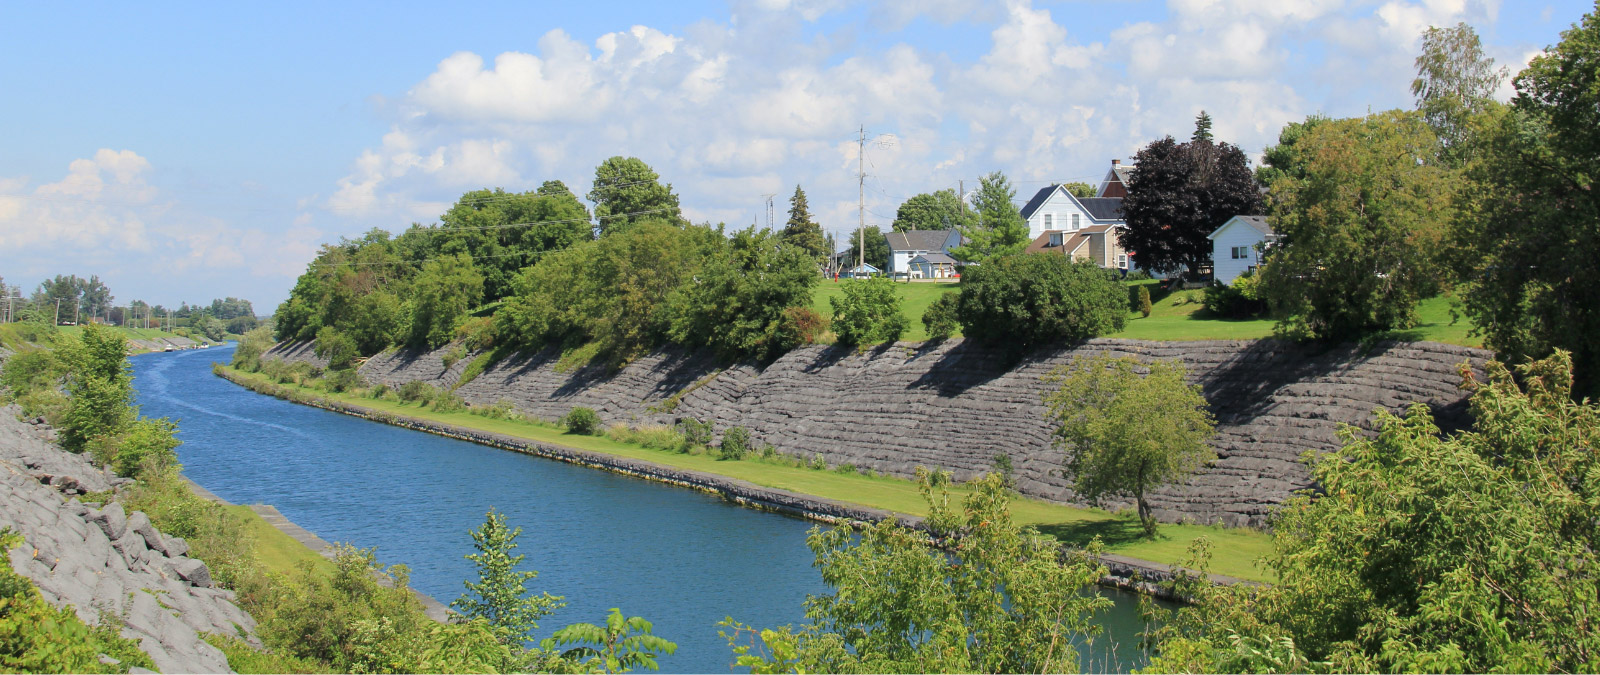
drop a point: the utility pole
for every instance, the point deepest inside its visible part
(58, 311)
(861, 209)
(963, 198)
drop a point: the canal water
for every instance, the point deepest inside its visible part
(682, 559)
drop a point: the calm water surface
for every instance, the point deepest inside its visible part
(682, 559)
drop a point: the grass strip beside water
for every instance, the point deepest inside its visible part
(1235, 549)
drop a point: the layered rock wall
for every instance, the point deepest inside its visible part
(957, 405)
(107, 561)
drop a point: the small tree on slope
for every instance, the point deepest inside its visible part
(501, 595)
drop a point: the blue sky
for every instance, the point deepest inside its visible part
(186, 152)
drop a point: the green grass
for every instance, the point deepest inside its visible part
(279, 552)
(1183, 316)
(914, 300)
(1235, 549)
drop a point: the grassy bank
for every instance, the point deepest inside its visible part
(1235, 549)
(914, 300)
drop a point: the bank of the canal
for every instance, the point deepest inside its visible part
(681, 558)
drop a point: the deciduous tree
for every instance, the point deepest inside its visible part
(998, 228)
(1362, 232)
(1027, 300)
(501, 595)
(1124, 433)
(877, 253)
(627, 191)
(868, 312)
(1178, 194)
(441, 295)
(1455, 81)
(737, 304)
(938, 210)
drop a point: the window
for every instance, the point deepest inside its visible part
(1049, 220)
(1122, 261)
(1055, 239)
(1075, 221)
(1241, 253)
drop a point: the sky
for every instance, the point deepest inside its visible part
(185, 152)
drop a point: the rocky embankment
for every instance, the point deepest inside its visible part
(105, 564)
(957, 405)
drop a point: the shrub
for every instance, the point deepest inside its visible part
(502, 409)
(768, 451)
(1138, 275)
(1142, 302)
(378, 391)
(582, 421)
(735, 442)
(1238, 301)
(1024, 301)
(818, 463)
(127, 451)
(247, 355)
(694, 433)
(339, 349)
(417, 390)
(476, 334)
(868, 312)
(27, 371)
(445, 401)
(453, 355)
(343, 380)
(798, 326)
(845, 468)
(940, 319)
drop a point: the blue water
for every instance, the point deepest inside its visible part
(680, 558)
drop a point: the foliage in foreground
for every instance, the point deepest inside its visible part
(1475, 552)
(501, 596)
(36, 637)
(1126, 434)
(868, 313)
(997, 599)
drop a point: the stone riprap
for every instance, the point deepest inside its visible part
(295, 352)
(957, 405)
(107, 561)
(396, 367)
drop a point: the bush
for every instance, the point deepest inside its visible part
(27, 371)
(343, 380)
(818, 463)
(476, 334)
(1141, 303)
(339, 349)
(582, 421)
(799, 326)
(868, 313)
(378, 391)
(1138, 275)
(1241, 300)
(453, 355)
(735, 442)
(247, 355)
(445, 401)
(127, 451)
(502, 409)
(418, 391)
(940, 319)
(36, 637)
(1026, 300)
(653, 437)
(694, 433)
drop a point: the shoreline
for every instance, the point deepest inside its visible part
(1123, 571)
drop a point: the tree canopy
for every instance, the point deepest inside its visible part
(877, 253)
(802, 232)
(1178, 194)
(1026, 300)
(1455, 81)
(997, 228)
(938, 210)
(627, 191)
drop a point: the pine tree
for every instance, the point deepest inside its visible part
(802, 231)
(1202, 128)
(501, 595)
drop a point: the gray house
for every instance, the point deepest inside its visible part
(908, 245)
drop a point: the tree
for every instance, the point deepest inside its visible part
(1081, 190)
(1455, 81)
(619, 646)
(443, 292)
(501, 596)
(868, 312)
(994, 598)
(1529, 229)
(1474, 551)
(1178, 194)
(85, 298)
(336, 347)
(1027, 300)
(99, 384)
(1286, 159)
(802, 232)
(1126, 434)
(504, 232)
(627, 191)
(737, 304)
(1362, 232)
(938, 210)
(877, 254)
(998, 228)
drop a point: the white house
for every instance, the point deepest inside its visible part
(1053, 209)
(904, 246)
(1236, 247)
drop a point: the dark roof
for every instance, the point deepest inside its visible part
(1103, 208)
(1037, 201)
(918, 240)
(935, 258)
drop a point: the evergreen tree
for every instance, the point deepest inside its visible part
(802, 231)
(1202, 128)
(501, 594)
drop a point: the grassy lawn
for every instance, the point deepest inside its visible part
(1235, 549)
(1183, 316)
(914, 300)
(276, 551)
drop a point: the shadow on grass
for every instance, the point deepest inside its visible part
(1112, 533)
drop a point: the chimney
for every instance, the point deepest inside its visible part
(1115, 162)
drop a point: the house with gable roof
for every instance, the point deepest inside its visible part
(1081, 229)
(1238, 245)
(931, 246)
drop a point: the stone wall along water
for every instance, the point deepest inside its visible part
(957, 405)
